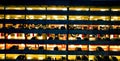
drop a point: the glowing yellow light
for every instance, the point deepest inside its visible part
(40, 37)
(102, 9)
(90, 35)
(80, 35)
(51, 45)
(78, 9)
(87, 9)
(71, 46)
(64, 9)
(17, 8)
(29, 58)
(111, 36)
(2, 44)
(115, 17)
(18, 16)
(91, 17)
(43, 16)
(103, 17)
(53, 8)
(55, 16)
(78, 17)
(31, 17)
(115, 10)
(102, 25)
(29, 8)
(23, 45)
(114, 50)
(80, 46)
(71, 38)
(40, 58)
(2, 57)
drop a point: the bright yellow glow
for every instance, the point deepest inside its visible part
(22, 36)
(78, 17)
(36, 7)
(56, 17)
(12, 56)
(56, 56)
(31, 17)
(99, 9)
(39, 37)
(12, 36)
(93, 47)
(57, 8)
(72, 38)
(119, 36)
(91, 57)
(30, 36)
(105, 18)
(79, 8)
(73, 47)
(32, 46)
(7, 25)
(115, 9)
(42, 45)
(111, 36)
(1, 25)
(118, 57)
(2, 46)
(115, 27)
(2, 56)
(1, 16)
(35, 56)
(114, 47)
(21, 46)
(71, 57)
(115, 18)
(38, 17)
(92, 38)
(29, 58)
(60, 46)
(15, 17)
(1, 7)
(16, 35)
(15, 8)
(40, 58)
